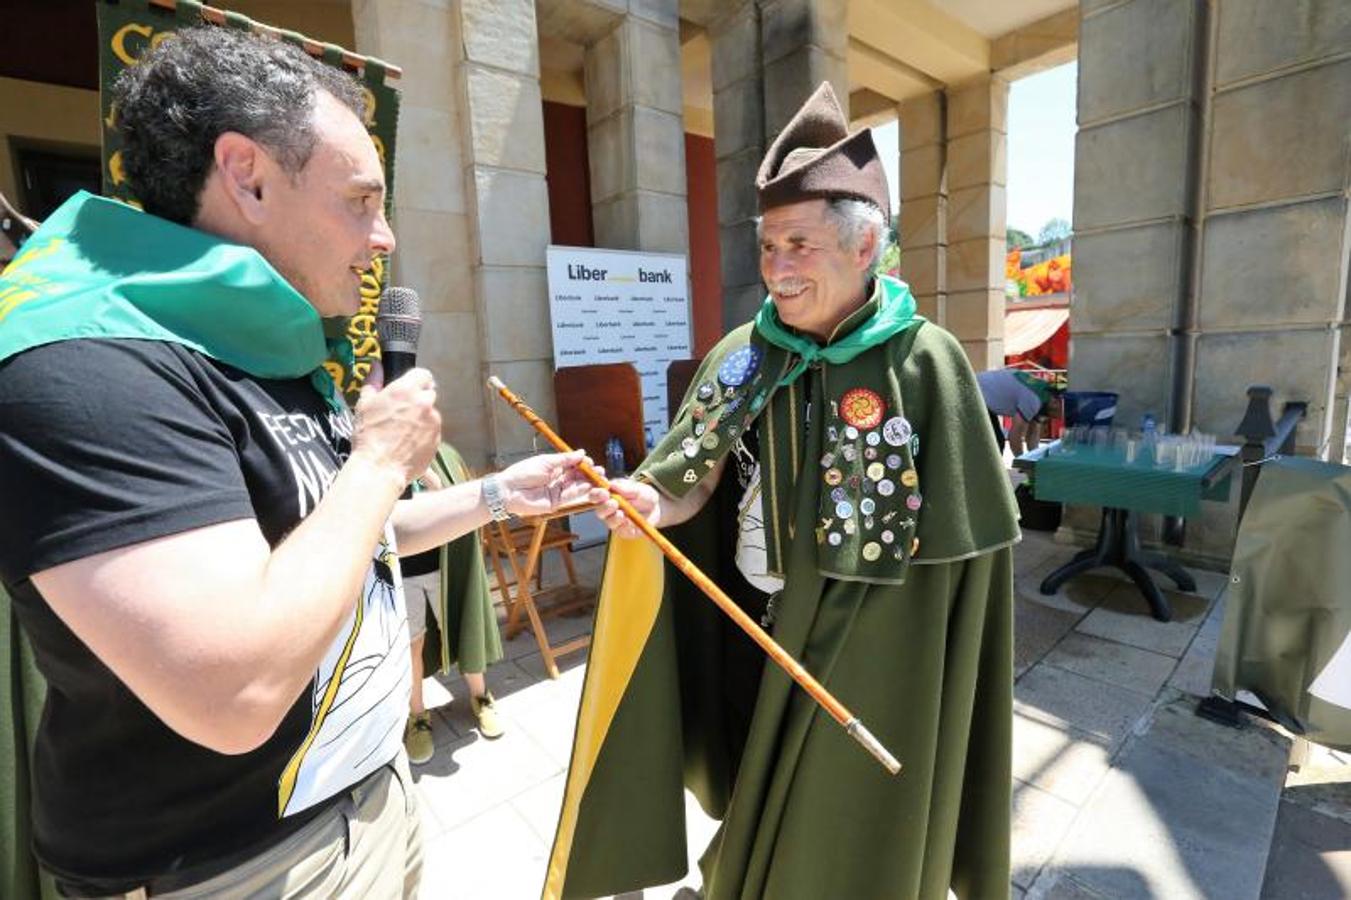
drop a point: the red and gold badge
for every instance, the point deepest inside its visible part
(862, 408)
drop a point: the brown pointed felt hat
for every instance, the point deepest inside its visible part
(815, 156)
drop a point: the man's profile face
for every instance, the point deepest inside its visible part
(814, 282)
(327, 221)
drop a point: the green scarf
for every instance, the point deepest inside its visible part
(98, 268)
(895, 312)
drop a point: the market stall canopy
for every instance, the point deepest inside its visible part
(1026, 329)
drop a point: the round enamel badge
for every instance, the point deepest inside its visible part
(739, 365)
(897, 431)
(862, 408)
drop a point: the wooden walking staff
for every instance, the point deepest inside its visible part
(781, 656)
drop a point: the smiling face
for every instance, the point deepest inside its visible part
(815, 282)
(325, 222)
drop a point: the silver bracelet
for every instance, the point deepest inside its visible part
(492, 495)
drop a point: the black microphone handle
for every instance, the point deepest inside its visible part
(396, 363)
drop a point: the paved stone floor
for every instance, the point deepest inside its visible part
(1119, 792)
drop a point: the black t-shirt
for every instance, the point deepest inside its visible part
(107, 443)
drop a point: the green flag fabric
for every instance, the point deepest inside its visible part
(1287, 609)
(921, 649)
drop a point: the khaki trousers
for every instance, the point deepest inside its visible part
(368, 847)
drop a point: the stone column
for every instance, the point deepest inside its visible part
(502, 151)
(923, 217)
(431, 215)
(768, 56)
(976, 131)
(635, 132)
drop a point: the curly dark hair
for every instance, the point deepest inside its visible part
(202, 82)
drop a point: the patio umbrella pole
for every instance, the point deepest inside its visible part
(814, 689)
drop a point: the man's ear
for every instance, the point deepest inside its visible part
(867, 247)
(240, 165)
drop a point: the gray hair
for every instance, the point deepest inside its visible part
(853, 219)
(201, 82)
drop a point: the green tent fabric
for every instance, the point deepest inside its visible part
(1288, 607)
(925, 661)
(23, 692)
(468, 635)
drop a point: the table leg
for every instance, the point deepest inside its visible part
(1181, 577)
(1083, 561)
(1153, 596)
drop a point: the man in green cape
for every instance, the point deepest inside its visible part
(833, 469)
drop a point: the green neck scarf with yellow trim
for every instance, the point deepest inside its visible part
(98, 268)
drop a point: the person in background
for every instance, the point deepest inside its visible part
(1029, 401)
(448, 586)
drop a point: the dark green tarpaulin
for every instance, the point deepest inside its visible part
(1288, 607)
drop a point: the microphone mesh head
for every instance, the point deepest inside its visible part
(399, 320)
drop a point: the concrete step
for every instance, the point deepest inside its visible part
(1187, 810)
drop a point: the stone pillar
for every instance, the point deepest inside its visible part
(976, 131)
(635, 132)
(768, 56)
(1277, 236)
(923, 217)
(1138, 123)
(502, 150)
(431, 215)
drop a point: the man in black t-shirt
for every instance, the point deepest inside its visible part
(199, 539)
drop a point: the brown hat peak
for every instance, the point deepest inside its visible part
(815, 157)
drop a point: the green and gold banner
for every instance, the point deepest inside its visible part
(129, 28)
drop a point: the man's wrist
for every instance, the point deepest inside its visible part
(387, 477)
(494, 497)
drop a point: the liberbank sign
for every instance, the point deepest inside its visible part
(612, 306)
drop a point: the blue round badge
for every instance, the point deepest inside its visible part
(739, 365)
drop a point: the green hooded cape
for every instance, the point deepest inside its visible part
(916, 641)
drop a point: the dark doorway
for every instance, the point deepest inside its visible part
(49, 178)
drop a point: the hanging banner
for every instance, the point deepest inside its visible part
(129, 28)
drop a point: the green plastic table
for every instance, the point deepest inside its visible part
(1100, 477)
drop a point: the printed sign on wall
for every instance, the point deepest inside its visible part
(613, 306)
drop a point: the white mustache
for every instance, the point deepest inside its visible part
(788, 286)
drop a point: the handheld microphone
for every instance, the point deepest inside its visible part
(398, 324)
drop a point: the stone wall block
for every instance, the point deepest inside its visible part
(930, 306)
(921, 121)
(1129, 279)
(665, 13)
(738, 119)
(740, 255)
(1135, 55)
(513, 218)
(433, 257)
(501, 33)
(975, 264)
(985, 355)
(741, 304)
(1135, 366)
(654, 66)
(533, 381)
(1275, 266)
(922, 172)
(788, 25)
(1297, 364)
(791, 79)
(922, 221)
(1281, 138)
(506, 119)
(610, 156)
(606, 76)
(515, 313)
(738, 199)
(663, 222)
(430, 162)
(735, 40)
(976, 315)
(979, 158)
(1257, 36)
(924, 268)
(615, 222)
(978, 211)
(979, 106)
(449, 347)
(1132, 170)
(659, 142)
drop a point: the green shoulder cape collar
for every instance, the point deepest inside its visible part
(98, 268)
